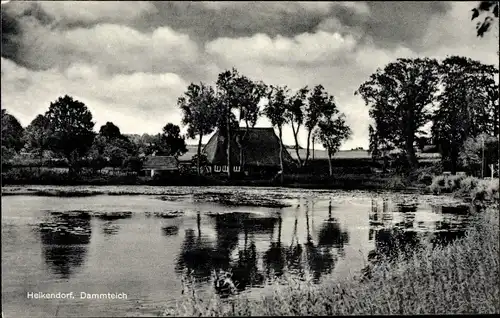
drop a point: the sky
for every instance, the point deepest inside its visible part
(130, 61)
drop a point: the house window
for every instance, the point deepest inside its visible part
(217, 168)
(236, 168)
(224, 168)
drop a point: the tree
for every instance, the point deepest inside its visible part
(37, 135)
(116, 153)
(465, 106)
(228, 96)
(400, 98)
(169, 142)
(71, 129)
(199, 107)
(489, 9)
(274, 110)
(331, 132)
(110, 131)
(319, 105)
(478, 153)
(249, 97)
(12, 132)
(295, 115)
(133, 163)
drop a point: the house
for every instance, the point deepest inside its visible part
(160, 165)
(261, 153)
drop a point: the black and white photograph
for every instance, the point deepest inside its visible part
(249, 158)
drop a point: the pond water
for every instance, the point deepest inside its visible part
(142, 242)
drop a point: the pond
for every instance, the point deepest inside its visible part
(140, 240)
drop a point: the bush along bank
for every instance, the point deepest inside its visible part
(470, 188)
(346, 181)
(458, 278)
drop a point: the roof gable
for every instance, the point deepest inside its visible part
(261, 148)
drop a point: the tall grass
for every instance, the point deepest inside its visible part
(460, 278)
(471, 187)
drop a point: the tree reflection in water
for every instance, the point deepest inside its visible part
(202, 257)
(274, 257)
(64, 239)
(402, 239)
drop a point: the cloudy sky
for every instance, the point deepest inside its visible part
(130, 61)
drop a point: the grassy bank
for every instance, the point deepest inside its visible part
(341, 180)
(460, 278)
(474, 189)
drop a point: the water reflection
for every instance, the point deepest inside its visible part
(320, 256)
(197, 253)
(400, 239)
(110, 228)
(64, 239)
(170, 230)
(201, 257)
(307, 237)
(274, 257)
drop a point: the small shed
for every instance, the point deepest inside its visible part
(160, 165)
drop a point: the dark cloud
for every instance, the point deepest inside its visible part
(11, 31)
(242, 19)
(393, 23)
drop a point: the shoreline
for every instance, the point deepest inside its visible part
(79, 190)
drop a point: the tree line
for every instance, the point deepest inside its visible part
(67, 128)
(238, 101)
(458, 97)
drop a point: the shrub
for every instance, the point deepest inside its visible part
(486, 190)
(396, 182)
(445, 184)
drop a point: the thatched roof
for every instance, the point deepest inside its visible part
(161, 163)
(261, 148)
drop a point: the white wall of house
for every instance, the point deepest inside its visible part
(224, 168)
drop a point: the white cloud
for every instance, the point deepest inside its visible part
(307, 48)
(113, 47)
(137, 103)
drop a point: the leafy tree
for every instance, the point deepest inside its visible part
(478, 153)
(116, 153)
(133, 163)
(465, 105)
(229, 94)
(199, 105)
(110, 131)
(295, 115)
(489, 9)
(399, 97)
(7, 155)
(274, 110)
(169, 142)
(249, 95)
(12, 132)
(319, 104)
(71, 128)
(331, 133)
(37, 135)
(199, 161)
